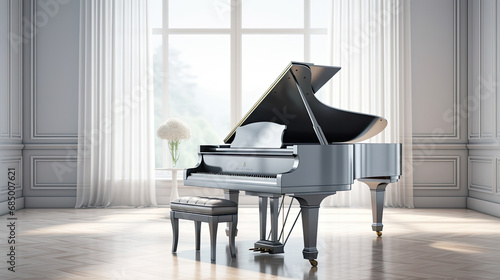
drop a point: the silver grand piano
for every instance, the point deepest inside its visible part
(289, 143)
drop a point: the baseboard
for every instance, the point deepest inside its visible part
(484, 206)
(49, 202)
(4, 207)
(440, 202)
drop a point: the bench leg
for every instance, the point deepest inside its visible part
(197, 233)
(213, 223)
(232, 235)
(175, 231)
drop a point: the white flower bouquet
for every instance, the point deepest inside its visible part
(174, 131)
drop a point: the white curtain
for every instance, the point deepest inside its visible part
(370, 41)
(115, 141)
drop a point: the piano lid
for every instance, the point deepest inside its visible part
(282, 104)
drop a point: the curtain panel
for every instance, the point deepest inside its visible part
(116, 134)
(370, 41)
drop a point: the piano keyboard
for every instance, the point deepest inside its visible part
(230, 177)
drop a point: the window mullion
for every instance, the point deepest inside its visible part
(165, 157)
(307, 30)
(236, 61)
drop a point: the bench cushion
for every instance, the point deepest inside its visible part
(204, 205)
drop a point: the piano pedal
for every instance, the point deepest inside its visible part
(261, 250)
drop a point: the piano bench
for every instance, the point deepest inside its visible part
(204, 209)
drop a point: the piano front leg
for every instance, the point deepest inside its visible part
(377, 190)
(309, 205)
(233, 195)
(263, 217)
(272, 246)
(274, 203)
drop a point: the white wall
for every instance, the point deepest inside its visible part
(484, 107)
(439, 88)
(10, 101)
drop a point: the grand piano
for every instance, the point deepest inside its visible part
(289, 143)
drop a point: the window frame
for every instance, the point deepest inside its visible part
(236, 33)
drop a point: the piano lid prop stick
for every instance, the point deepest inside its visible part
(317, 129)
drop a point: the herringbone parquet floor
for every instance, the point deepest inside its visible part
(136, 243)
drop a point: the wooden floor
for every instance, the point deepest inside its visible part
(136, 244)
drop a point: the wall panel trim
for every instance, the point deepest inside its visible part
(497, 184)
(35, 134)
(454, 185)
(481, 187)
(35, 185)
(19, 172)
(11, 146)
(455, 135)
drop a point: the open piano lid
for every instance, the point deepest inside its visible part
(282, 103)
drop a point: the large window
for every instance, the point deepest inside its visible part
(214, 58)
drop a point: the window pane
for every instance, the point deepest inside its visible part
(264, 58)
(319, 46)
(156, 41)
(319, 56)
(319, 13)
(199, 13)
(155, 13)
(272, 14)
(198, 89)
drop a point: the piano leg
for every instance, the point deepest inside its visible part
(274, 206)
(232, 195)
(309, 204)
(377, 190)
(272, 246)
(262, 217)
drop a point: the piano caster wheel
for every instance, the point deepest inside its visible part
(379, 233)
(314, 263)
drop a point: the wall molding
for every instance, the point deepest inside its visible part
(4, 206)
(11, 146)
(50, 146)
(66, 161)
(18, 162)
(19, 65)
(497, 182)
(35, 134)
(7, 133)
(49, 202)
(440, 202)
(455, 135)
(470, 132)
(476, 186)
(484, 146)
(483, 26)
(483, 206)
(14, 64)
(454, 160)
(429, 146)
